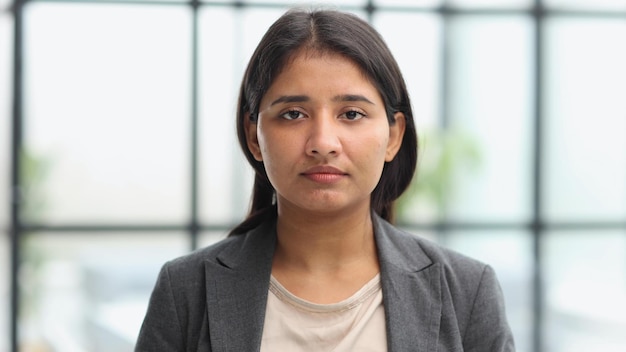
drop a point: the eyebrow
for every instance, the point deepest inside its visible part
(352, 97)
(304, 98)
(291, 99)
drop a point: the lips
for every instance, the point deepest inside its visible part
(324, 174)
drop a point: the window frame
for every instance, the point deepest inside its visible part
(536, 227)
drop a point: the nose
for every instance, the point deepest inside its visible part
(323, 137)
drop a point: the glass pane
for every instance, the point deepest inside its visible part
(107, 110)
(210, 237)
(585, 287)
(227, 39)
(509, 253)
(409, 3)
(4, 10)
(420, 63)
(618, 5)
(585, 159)
(89, 291)
(490, 110)
(492, 4)
(429, 235)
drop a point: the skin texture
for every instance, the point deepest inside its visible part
(307, 119)
(323, 135)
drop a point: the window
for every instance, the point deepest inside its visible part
(128, 155)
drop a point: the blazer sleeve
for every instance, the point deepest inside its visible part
(488, 329)
(161, 328)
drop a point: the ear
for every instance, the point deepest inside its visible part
(396, 133)
(251, 137)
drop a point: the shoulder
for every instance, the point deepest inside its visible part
(461, 278)
(414, 253)
(472, 303)
(454, 264)
(243, 252)
(189, 267)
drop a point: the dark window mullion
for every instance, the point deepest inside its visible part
(194, 224)
(445, 80)
(538, 226)
(16, 147)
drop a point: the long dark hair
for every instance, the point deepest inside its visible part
(347, 35)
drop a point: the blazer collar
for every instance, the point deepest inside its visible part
(411, 290)
(237, 287)
(236, 290)
(398, 248)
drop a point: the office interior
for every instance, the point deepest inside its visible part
(118, 152)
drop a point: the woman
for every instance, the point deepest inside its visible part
(325, 120)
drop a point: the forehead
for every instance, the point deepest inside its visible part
(310, 68)
(306, 55)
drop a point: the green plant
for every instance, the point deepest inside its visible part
(443, 154)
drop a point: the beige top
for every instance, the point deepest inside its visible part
(354, 324)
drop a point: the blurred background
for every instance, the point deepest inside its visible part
(118, 152)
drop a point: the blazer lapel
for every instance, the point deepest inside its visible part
(236, 291)
(411, 291)
(237, 287)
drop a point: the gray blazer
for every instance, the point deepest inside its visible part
(434, 299)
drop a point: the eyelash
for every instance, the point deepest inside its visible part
(287, 115)
(360, 115)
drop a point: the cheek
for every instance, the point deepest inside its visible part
(376, 145)
(369, 151)
(379, 155)
(276, 150)
(265, 145)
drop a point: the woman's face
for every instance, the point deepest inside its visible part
(323, 135)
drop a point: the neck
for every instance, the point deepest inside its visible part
(322, 242)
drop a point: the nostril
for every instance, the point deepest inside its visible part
(323, 142)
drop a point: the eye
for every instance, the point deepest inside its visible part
(292, 115)
(353, 115)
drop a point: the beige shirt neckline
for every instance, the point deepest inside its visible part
(297, 325)
(364, 293)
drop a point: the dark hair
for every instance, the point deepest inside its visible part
(333, 32)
